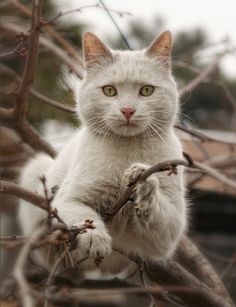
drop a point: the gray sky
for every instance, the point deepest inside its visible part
(216, 17)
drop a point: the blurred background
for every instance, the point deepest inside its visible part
(202, 30)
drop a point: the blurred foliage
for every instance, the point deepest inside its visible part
(207, 106)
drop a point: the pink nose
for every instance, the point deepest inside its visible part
(128, 112)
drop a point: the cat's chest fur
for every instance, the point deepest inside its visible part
(107, 159)
(95, 172)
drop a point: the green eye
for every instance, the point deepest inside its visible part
(109, 90)
(146, 90)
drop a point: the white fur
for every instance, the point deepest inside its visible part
(90, 170)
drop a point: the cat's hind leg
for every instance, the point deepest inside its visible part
(29, 215)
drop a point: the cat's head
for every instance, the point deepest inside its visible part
(128, 92)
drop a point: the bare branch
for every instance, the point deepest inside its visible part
(34, 139)
(60, 53)
(52, 102)
(7, 115)
(66, 46)
(80, 9)
(11, 188)
(200, 135)
(171, 166)
(170, 272)
(30, 65)
(193, 260)
(201, 77)
(24, 287)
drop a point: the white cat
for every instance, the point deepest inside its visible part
(128, 104)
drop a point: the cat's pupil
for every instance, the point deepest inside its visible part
(146, 90)
(109, 90)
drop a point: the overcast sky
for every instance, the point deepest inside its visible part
(218, 18)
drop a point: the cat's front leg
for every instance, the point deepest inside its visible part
(95, 243)
(145, 194)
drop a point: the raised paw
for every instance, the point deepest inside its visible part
(133, 173)
(144, 205)
(145, 193)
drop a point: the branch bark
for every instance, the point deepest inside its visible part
(172, 273)
(201, 77)
(171, 166)
(25, 289)
(31, 63)
(54, 103)
(193, 260)
(11, 188)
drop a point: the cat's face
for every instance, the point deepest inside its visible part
(128, 92)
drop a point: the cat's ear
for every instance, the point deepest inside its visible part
(161, 48)
(94, 49)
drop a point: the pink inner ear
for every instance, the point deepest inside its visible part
(94, 49)
(161, 46)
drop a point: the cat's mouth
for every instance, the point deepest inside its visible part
(128, 125)
(128, 128)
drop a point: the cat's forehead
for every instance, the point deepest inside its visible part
(133, 66)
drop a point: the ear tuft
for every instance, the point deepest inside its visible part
(161, 47)
(94, 49)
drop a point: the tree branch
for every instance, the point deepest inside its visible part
(201, 77)
(25, 289)
(169, 165)
(34, 139)
(31, 63)
(54, 103)
(194, 261)
(200, 135)
(171, 273)
(11, 188)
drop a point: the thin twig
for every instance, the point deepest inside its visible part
(57, 36)
(52, 272)
(80, 9)
(143, 281)
(201, 135)
(202, 76)
(9, 71)
(73, 64)
(24, 287)
(124, 39)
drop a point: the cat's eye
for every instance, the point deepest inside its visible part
(109, 90)
(146, 90)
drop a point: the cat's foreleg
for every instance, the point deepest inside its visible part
(159, 218)
(94, 243)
